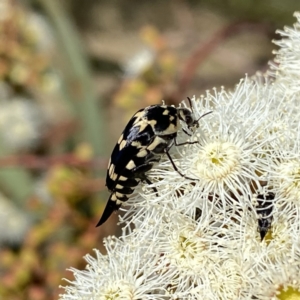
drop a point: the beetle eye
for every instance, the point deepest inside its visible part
(187, 116)
(189, 120)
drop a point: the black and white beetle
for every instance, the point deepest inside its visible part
(149, 134)
(264, 210)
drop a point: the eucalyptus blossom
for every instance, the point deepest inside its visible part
(230, 231)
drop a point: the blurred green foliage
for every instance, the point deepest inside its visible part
(62, 204)
(44, 65)
(149, 76)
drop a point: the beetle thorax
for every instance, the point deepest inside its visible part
(187, 116)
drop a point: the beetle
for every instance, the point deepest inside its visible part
(149, 135)
(264, 210)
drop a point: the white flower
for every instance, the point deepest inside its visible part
(139, 63)
(227, 163)
(6, 8)
(126, 272)
(195, 253)
(231, 230)
(277, 281)
(13, 223)
(284, 179)
(21, 123)
(287, 58)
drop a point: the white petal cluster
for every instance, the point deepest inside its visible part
(21, 123)
(288, 57)
(13, 222)
(139, 63)
(231, 228)
(126, 272)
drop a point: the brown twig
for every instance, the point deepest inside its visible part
(205, 49)
(40, 163)
(59, 133)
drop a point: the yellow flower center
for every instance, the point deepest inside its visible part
(218, 160)
(289, 294)
(290, 179)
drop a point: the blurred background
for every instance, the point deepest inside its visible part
(72, 73)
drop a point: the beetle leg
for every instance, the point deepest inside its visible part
(185, 143)
(174, 166)
(147, 180)
(187, 133)
(140, 173)
(141, 169)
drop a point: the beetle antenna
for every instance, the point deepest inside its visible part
(204, 115)
(191, 104)
(192, 108)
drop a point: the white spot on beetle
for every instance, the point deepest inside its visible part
(152, 123)
(142, 153)
(111, 170)
(138, 116)
(157, 141)
(143, 126)
(136, 144)
(122, 145)
(119, 195)
(131, 165)
(120, 139)
(114, 176)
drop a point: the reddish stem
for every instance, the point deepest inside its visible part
(204, 50)
(37, 162)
